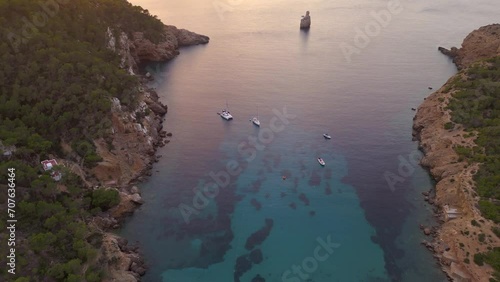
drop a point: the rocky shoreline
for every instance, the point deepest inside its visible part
(456, 241)
(129, 154)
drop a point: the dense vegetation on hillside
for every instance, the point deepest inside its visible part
(476, 105)
(56, 82)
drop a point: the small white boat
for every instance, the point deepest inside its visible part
(255, 120)
(321, 162)
(327, 136)
(225, 114)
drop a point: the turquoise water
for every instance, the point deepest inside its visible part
(258, 59)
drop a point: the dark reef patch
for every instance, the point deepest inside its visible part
(256, 204)
(328, 173)
(380, 203)
(304, 199)
(268, 160)
(213, 248)
(255, 186)
(260, 235)
(293, 205)
(243, 264)
(276, 160)
(315, 179)
(214, 230)
(258, 278)
(286, 173)
(303, 166)
(256, 256)
(328, 190)
(295, 184)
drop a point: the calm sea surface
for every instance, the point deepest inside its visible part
(342, 222)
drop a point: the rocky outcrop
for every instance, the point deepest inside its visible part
(482, 43)
(128, 153)
(145, 50)
(305, 22)
(128, 203)
(185, 37)
(456, 241)
(121, 262)
(139, 49)
(122, 46)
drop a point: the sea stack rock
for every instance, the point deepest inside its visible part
(305, 22)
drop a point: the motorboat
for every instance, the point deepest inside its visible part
(321, 162)
(327, 136)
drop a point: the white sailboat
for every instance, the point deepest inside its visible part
(225, 114)
(255, 120)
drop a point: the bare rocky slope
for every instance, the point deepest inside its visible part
(456, 241)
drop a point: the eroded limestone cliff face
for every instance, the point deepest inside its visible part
(457, 240)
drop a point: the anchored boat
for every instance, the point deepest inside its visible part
(225, 114)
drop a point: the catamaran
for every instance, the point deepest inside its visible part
(225, 114)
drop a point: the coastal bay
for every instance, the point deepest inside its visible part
(127, 173)
(365, 104)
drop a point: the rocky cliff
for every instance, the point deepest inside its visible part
(137, 131)
(139, 49)
(480, 44)
(457, 240)
(128, 154)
